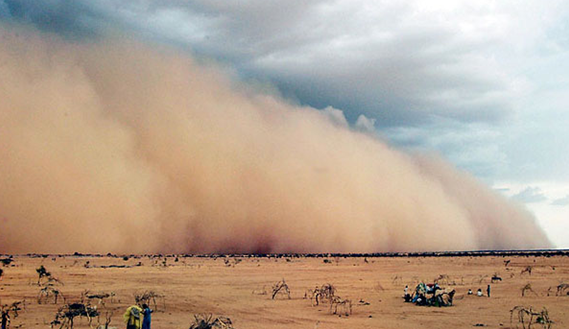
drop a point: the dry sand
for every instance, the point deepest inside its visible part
(206, 285)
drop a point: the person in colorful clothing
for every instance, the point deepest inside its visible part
(133, 317)
(146, 311)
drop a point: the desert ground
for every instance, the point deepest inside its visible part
(240, 288)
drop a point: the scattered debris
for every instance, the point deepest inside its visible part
(496, 277)
(202, 321)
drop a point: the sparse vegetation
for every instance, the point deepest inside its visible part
(150, 297)
(42, 273)
(561, 289)
(66, 315)
(527, 316)
(323, 293)
(526, 270)
(202, 321)
(527, 288)
(46, 292)
(343, 305)
(101, 297)
(280, 288)
(7, 312)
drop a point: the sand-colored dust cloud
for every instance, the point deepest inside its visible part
(112, 146)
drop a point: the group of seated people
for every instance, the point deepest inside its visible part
(426, 295)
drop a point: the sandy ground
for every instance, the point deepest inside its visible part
(235, 287)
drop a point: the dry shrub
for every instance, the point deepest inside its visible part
(150, 297)
(325, 292)
(527, 316)
(561, 289)
(526, 288)
(343, 305)
(202, 321)
(66, 315)
(280, 288)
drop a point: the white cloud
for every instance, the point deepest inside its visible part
(561, 201)
(530, 195)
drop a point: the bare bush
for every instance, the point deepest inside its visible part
(202, 321)
(65, 316)
(322, 293)
(526, 288)
(150, 296)
(7, 311)
(280, 288)
(99, 297)
(561, 289)
(47, 292)
(526, 270)
(527, 316)
(338, 303)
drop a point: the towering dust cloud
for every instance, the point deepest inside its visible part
(107, 146)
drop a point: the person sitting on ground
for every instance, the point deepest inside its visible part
(470, 291)
(133, 317)
(479, 292)
(147, 317)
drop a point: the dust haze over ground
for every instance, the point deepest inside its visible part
(125, 147)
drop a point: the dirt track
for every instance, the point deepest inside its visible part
(234, 287)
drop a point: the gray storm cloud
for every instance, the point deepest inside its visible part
(124, 147)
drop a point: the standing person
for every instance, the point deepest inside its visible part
(5, 319)
(133, 317)
(147, 317)
(488, 291)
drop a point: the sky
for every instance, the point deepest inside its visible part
(482, 83)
